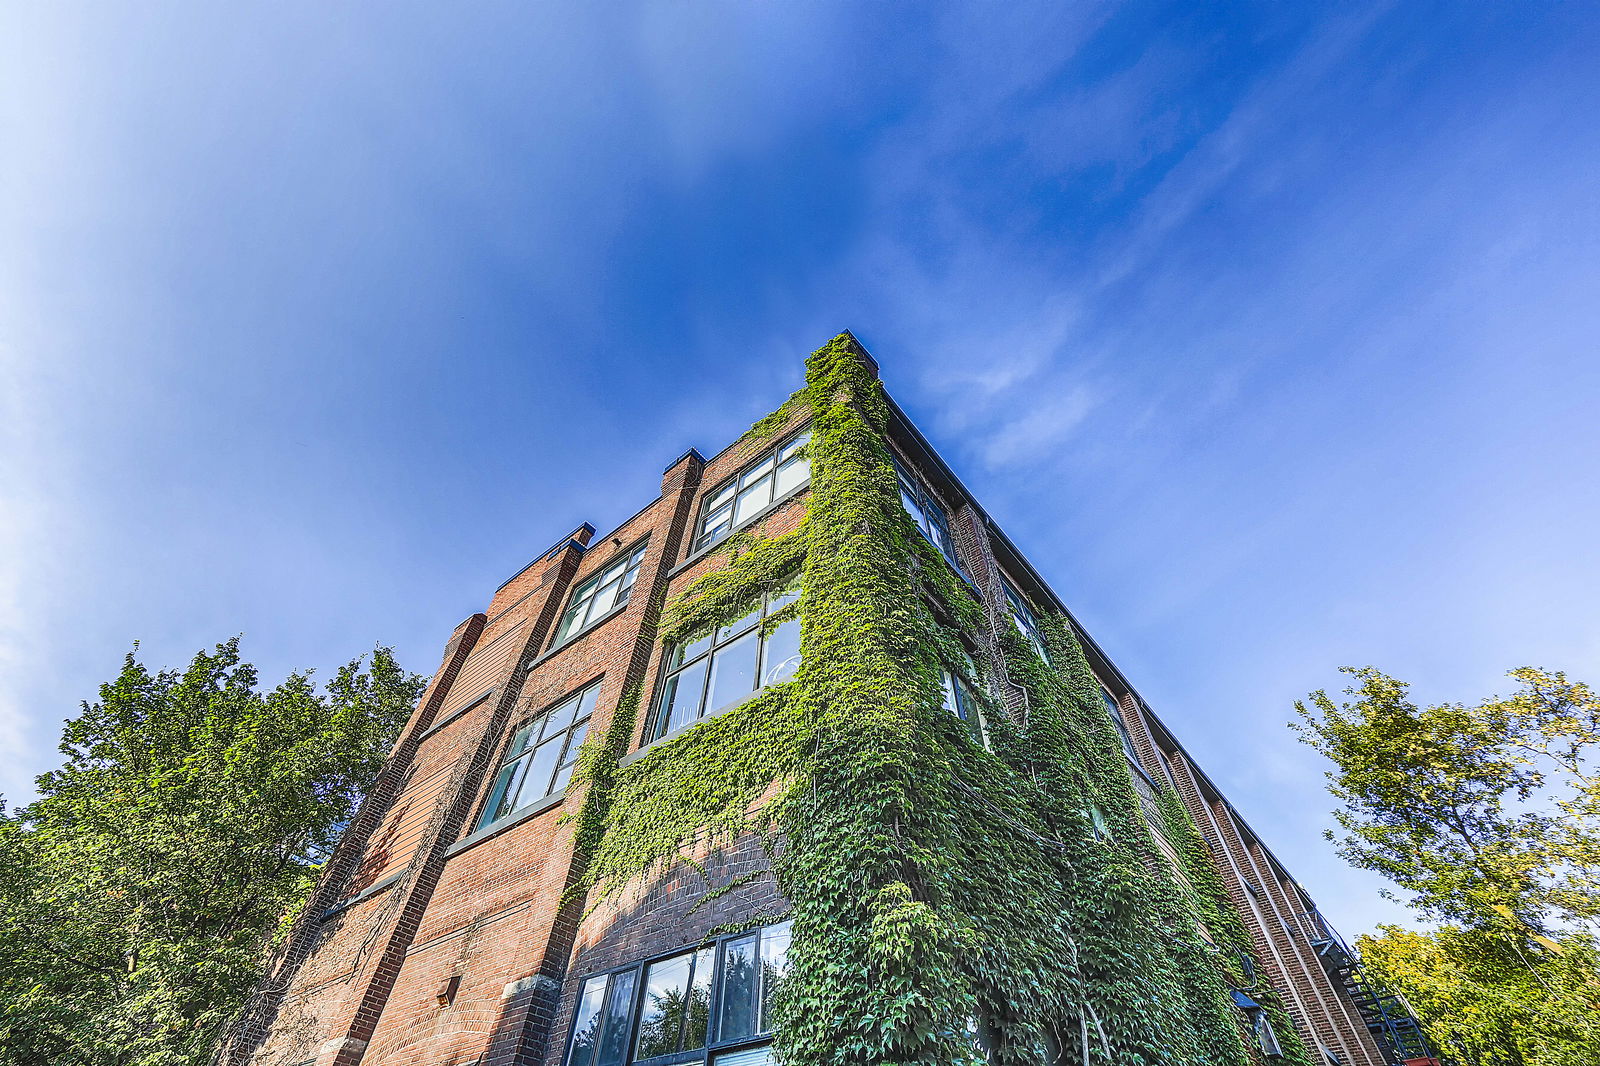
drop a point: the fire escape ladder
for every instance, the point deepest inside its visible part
(1386, 1015)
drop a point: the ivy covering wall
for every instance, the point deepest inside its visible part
(944, 896)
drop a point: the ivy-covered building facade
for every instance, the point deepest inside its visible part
(803, 763)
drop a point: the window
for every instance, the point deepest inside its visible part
(960, 701)
(599, 596)
(1024, 618)
(1097, 823)
(928, 515)
(1121, 725)
(717, 998)
(540, 759)
(717, 670)
(1261, 1026)
(772, 477)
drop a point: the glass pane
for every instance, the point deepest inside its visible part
(666, 1001)
(690, 650)
(794, 446)
(785, 596)
(519, 743)
(694, 1032)
(560, 717)
(741, 625)
(614, 1039)
(781, 657)
(947, 683)
(756, 473)
(586, 1026)
(541, 767)
(586, 702)
(575, 743)
(913, 508)
(774, 963)
(605, 598)
(563, 777)
(571, 620)
(720, 526)
(733, 672)
(792, 475)
(680, 701)
(752, 500)
(736, 1013)
(497, 795)
(750, 1056)
(720, 497)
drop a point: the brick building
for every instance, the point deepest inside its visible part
(458, 923)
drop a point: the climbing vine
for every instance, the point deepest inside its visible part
(947, 897)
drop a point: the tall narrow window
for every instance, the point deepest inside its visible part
(600, 1030)
(1115, 714)
(1023, 616)
(927, 513)
(676, 1009)
(599, 596)
(541, 757)
(752, 965)
(771, 477)
(717, 670)
(960, 701)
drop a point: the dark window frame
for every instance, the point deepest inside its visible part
(762, 628)
(631, 561)
(715, 1044)
(713, 502)
(934, 518)
(1023, 617)
(566, 757)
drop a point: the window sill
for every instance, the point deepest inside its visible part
(494, 829)
(455, 716)
(584, 632)
(765, 512)
(361, 897)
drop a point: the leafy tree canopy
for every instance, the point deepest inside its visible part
(184, 829)
(1488, 818)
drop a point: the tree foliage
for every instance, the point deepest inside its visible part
(1488, 818)
(184, 828)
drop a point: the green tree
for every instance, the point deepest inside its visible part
(184, 829)
(1488, 818)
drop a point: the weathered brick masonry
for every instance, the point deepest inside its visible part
(433, 941)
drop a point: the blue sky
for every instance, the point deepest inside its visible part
(1267, 330)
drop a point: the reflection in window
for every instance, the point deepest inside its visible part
(677, 1005)
(540, 758)
(716, 670)
(927, 513)
(600, 595)
(771, 477)
(751, 968)
(1023, 616)
(672, 1018)
(600, 1031)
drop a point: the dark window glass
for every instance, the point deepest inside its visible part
(718, 670)
(960, 701)
(1121, 725)
(771, 477)
(613, 1046)
(541, 756)
(1022, 615)
(928, 515)
(586, 1026)
(599, 595)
